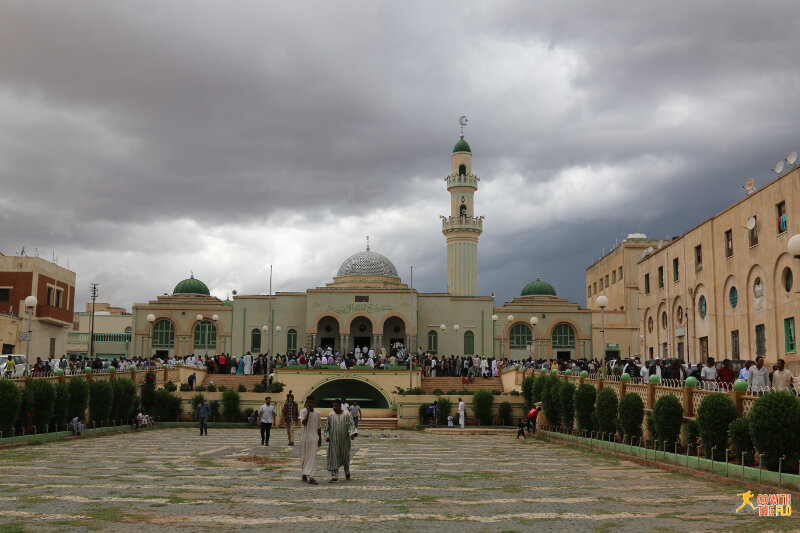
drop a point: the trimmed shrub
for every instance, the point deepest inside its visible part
(10, 402)
(650, 423)
(101, 399)
(195, 401)
(222, 388)
(60, 407)
(606, 408)
(202, 388)
(774, 419)
(714, 416)
(631, 416)
(497, 392)
(692, 433)
(437, 391)
(550, 401)
(276, 386)
(423, 413)
(242, 387)
(515, 392)
(527, 391)
(739, 435)
(166, 406)
(184, 387)
(213, 410)
(170, 386)
(39, 396)
(247, 413)
(504, 413)
(583, 399)
(566, 402)
(78, 398)
(537, 389)
(148, 392)
(212, 387)
(445, 406)
(125, 399)
(482, 402)
(230, 406)
(668, 419)
(258, 387)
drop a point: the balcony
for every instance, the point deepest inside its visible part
(456, 180)
(450, 224)
(54, 315)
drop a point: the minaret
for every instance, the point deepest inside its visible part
(462, 228)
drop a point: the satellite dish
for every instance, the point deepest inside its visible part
(791, 158)
(750, 187)
(751, 223)
(649, 250)
(778, 167)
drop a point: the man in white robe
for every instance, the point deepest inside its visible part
(310, 439)
(248, 363)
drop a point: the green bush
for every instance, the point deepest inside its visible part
(258, 387)
(242, 387)
(631, 416)
(550, 400)
(222, 388)
(10, 402)
(437, 391)
(692, 433)
(515, 392)
(39, 396)
(650, 423)
(668, 419)
(230, 406)
(78, 398)
(606, 408)
(166, 406)
(497, 392)
(125, 400)
(504, 413)
(170, 386)
(527, 391)
(584, 398)
(101, 399)
(212, 387)
(195, 401)
(202, 388)
(444, 410)
(714, 416)
(414, 391)
(247, 413)
(452, 392)
(739, 435)
(149, 392)
(482, 402)
(213, 410)
(60, 407)
(537, 389)
(566, 403)
(774, 419)
(276, 386)
(184, 387)
(423, 413)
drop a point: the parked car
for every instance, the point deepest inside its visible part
(21, 366)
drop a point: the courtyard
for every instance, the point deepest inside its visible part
(173, 479)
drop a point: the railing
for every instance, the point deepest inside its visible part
(462, 179)
(98, 337)
(456, 223)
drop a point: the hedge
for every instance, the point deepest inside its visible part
(504, 413)
(566, 402)
(230, 405)
(739, 435)
(39, 397)
(78, 398)
(445, 406)
(60, 407)
(166, 405)
(631, 415)
(148, 392)
(668, 419)
(10, 401)
(774, 419)
(482, 402)
(714, 416)
(550, 401)
(101, 400)
(606, 408)
(527, 391)
(125, 399)
(584, 398)
(537, 389)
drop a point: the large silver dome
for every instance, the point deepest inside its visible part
(367, 263)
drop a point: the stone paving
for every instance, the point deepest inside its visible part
(173, 479)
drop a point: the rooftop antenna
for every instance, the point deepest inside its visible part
(23, 251)
(749, 187)
(462, 120)
(368, 243)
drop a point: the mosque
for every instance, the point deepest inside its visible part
(368, 304)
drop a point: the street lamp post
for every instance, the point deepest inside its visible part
(265, 330)
(215, 319)
(203, 334)
(534, 321)
(494, 323)
(510, 319)
(30, 305)
(602, 302)
(150, 319)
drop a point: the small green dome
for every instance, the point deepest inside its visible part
(191, 286)
(461, 146)
(538, 288)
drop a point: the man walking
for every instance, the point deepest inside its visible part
(339, 431)
(783, 379)
(266, 415)
(757, 378)
(310, 439)
(290, 415)
(201, 414)
(355, 412)
(462, 414)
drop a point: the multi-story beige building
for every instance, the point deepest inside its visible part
(54, 289)
(726, 287)
(615, 276)
(113, 327)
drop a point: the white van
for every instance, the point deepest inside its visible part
(21, 366)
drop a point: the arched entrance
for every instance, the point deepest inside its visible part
(361, 332)
(394, 334)
(367, 395)
(328, 333)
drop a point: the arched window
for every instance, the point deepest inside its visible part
(563, 336)
(758, 288)
(255, 340)
(520, 336)
(205, 335)
(462, 170)
(291, 340)
(702, 306)
(433, 341)
(163, 334)
(469, 343)
(733, 297)
(462, 211)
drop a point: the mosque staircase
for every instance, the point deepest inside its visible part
(376, 423)
(232, 381)
(446, 384)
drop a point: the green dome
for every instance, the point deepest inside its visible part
(461, 146)
(191, 286)
(538, 288)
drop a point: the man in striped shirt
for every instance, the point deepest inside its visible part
(339, 431)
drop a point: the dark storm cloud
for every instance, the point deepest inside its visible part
(179, 135)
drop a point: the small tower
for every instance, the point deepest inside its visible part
(462, 228)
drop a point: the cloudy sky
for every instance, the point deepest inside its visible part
(142, 140)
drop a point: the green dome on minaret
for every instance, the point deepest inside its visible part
(538, 288)
(192, 286)
(461, 146)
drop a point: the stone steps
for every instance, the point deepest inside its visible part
(377, 423)
(449, 383)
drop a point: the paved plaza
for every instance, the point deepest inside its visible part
(173, 479)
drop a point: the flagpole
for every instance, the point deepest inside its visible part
(410, 337)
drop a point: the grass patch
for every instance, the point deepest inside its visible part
(206, 462)
(606, 527)
(108, 514)
(13, 527)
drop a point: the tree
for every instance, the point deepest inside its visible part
(714, 416)
(566, 402)
(10, 402)
(606, 408)
(584, 399)
(78, 397)
(631, 415)
(101, 399)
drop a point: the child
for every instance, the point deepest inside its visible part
(521, 429)
(532, 414)
(449, 421)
